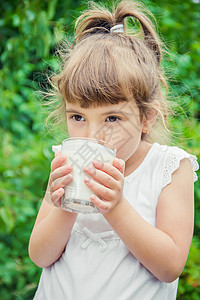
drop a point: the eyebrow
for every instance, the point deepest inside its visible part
(114, 112)
(106, 113)
(72, 111)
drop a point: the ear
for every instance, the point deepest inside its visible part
(150, 117)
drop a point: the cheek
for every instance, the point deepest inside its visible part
(70, 130)
(127, 149)
(127, 143)
(73, 129)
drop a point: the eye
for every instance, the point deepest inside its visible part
(77, 118)
(112, 119)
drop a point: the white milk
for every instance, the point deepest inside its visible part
(81, 152)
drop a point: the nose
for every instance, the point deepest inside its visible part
(96, 132)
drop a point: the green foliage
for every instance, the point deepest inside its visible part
(189, 283)
(29, 32)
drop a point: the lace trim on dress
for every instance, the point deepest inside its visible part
(173, 162)
(56, 148)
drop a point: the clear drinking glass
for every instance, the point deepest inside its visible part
(80, 152)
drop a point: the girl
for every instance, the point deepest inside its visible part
(137, 245)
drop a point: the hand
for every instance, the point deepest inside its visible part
(59, 177)
(108, 184)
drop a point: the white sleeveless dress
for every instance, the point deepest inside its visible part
(96, 265)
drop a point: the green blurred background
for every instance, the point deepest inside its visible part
(29, 33)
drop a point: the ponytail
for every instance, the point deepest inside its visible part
(98, 20)
(130, 9)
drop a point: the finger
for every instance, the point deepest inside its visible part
(58, 161)
(60, 172)
(56, 197)
(57, 153)
(101, 177)
(60, 183)
(99, 189)
(102, 205)
(107, 168)
(119, 164)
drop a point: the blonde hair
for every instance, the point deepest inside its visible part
(103, 67)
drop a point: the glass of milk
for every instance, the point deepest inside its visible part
(80, 152)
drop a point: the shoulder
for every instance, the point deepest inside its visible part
(168, 159)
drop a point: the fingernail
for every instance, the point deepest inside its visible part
(68, 167)
(68, 176)
(98, 163)
(60, 191)
(87, 168)
(87, 179)
(121, 162)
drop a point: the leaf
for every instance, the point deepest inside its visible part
(7, 220)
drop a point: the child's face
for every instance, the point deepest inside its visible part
(117, 124)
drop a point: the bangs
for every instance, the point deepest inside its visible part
(93, 76)
(101, 72)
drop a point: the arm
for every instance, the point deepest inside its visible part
(53, 226)
(163, 249)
